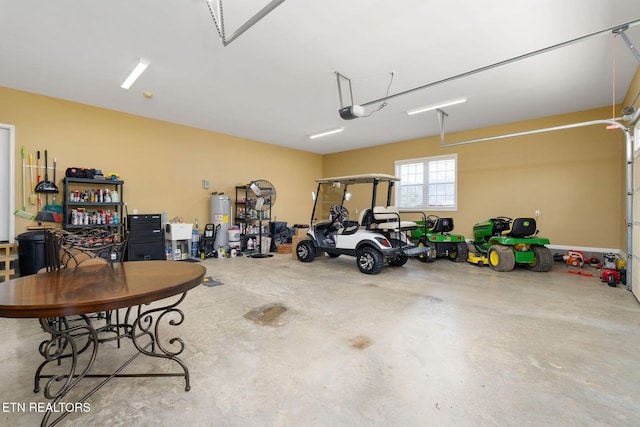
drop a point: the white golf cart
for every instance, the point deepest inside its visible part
(378, 237)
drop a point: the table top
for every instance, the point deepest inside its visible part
(96, 288)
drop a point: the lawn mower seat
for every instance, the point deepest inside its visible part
(523, 227)
(443, 225)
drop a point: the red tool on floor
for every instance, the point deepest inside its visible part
(574, 258)
(609, 273)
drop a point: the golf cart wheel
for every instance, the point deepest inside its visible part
(543, 259)
(306, 251)
(398, 261)
(370, 261)
(460, 254)
(501, 258)
(429, 256)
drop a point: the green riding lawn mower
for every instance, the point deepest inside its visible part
(434, 232)
(501, 245)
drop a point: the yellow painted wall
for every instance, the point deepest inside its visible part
(162, 164)
(575, 178)
(632, 92)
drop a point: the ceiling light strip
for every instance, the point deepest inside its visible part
(137, 71)
(325, 133)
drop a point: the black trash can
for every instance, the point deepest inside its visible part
(31, 256)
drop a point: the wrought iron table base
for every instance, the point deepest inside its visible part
(67, 342)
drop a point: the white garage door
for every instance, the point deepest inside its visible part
(635, 260)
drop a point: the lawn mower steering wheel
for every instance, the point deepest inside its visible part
(504, 219)
(339, 214)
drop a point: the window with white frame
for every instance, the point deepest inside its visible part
(427, 183)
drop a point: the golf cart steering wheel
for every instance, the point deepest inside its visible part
(339, 214)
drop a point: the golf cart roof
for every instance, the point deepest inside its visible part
(359, 179)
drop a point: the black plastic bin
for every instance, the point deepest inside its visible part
(31, 256)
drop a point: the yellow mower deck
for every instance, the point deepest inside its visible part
(478, 259)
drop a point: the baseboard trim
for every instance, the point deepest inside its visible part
(586, 249)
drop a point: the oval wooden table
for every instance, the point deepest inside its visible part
(65, 300)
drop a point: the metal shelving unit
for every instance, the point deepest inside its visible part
(92, 208)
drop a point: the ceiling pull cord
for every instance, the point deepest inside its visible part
(613, 82)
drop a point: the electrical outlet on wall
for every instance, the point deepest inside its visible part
(205, 184)
(537, 213)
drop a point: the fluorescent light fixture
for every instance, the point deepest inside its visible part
(325, 133)
(436, 106)
(142, 65)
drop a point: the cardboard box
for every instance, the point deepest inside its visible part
(301, 231)
(284, 248)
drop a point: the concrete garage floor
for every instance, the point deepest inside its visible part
(282, 343)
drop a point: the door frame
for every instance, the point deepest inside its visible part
(7, 182)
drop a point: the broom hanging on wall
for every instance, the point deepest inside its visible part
(47, 214)
(23, 212)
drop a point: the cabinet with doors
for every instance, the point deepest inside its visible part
(93, 203)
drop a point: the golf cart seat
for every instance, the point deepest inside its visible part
(443, 225)
(388, 218)
(366, 218)
(523, 227)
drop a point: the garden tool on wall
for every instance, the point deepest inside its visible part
(47, 214)
(23, 212)
(46, 186)
(38, 181)
(33, 197)
(54, 207)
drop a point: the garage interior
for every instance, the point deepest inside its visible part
(437, 343)
(447, 345)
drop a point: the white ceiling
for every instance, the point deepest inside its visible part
(276, 82)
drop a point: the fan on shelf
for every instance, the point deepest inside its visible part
(261, 196)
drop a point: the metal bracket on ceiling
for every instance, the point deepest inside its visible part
(218, 19)
(340, 77)
(351, 111)
(620, 31)
(441, 116)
